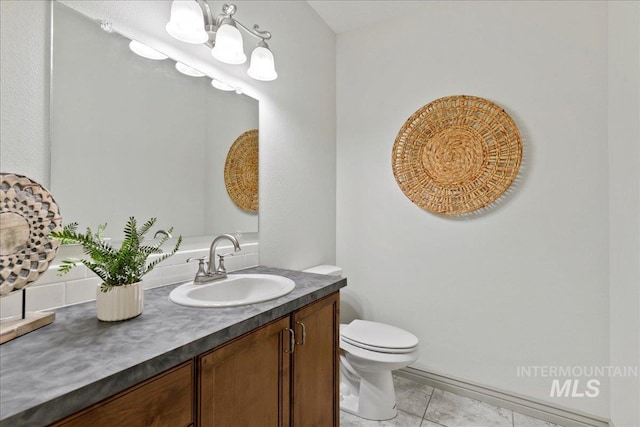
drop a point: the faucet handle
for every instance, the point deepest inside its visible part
(221, 257)
(201, 274)
(221, 268)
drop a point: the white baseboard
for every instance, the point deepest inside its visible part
(527, 406)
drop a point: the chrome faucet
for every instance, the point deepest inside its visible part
(212, 254)
(212, 272)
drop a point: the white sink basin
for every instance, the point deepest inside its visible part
(236, 289)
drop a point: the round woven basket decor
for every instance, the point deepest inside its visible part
(28, 214)
(241, 171)
(457, 154)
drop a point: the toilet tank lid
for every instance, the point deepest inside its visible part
(378, 335)
(330, 270)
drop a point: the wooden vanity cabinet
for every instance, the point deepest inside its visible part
(164, 400)
(246, 382)
(315, 364)
(282, 374)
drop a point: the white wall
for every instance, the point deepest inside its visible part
(527, 283)
(624, 206)
(24, 88)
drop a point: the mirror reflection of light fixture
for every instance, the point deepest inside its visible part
(221, 85)
(191, 18)
(186, 70)
(146, 51)
(150, 53)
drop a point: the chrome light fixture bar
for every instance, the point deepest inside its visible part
(193, 22)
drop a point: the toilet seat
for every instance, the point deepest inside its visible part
(378, 356)
(378, 337)
(379, 349)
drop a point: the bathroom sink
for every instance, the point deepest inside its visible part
(236, 289)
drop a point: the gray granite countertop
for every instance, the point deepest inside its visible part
(78, 361)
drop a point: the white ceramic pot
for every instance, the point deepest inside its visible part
(120, 302)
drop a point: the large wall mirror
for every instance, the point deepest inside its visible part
(133, 136)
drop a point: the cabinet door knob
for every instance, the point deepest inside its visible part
(304, 333)
(292, 340)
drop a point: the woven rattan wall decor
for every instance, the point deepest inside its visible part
(241, 171)
(28, 214)
(457, 154)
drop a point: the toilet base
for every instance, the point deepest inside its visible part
(375, 399)
(349, 404)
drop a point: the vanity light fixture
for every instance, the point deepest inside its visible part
(192, 20)
(146, 51)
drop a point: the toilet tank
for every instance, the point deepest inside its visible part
(329, 270)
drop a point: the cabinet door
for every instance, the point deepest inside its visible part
(246, 382)
(316, 380)
(164, 400)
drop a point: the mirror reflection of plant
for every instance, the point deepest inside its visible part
(120, 267)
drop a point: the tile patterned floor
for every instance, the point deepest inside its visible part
(422, 406)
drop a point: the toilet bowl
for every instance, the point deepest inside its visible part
(369, 351)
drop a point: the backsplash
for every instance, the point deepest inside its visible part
(79, 285)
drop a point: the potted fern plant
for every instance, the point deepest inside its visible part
(120, 296)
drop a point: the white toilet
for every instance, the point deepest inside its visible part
(369, 351)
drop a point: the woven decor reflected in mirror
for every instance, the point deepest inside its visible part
(241, 171)
(457, 155)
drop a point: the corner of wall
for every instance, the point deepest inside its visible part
(624, 207)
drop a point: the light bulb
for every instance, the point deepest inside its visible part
(228, 47)
(262, 64)
(187, 22)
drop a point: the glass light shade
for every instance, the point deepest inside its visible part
(262, 64)
(228, 47)
(187, 22)
(186, 70)
(146, 51)
(222, 86)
